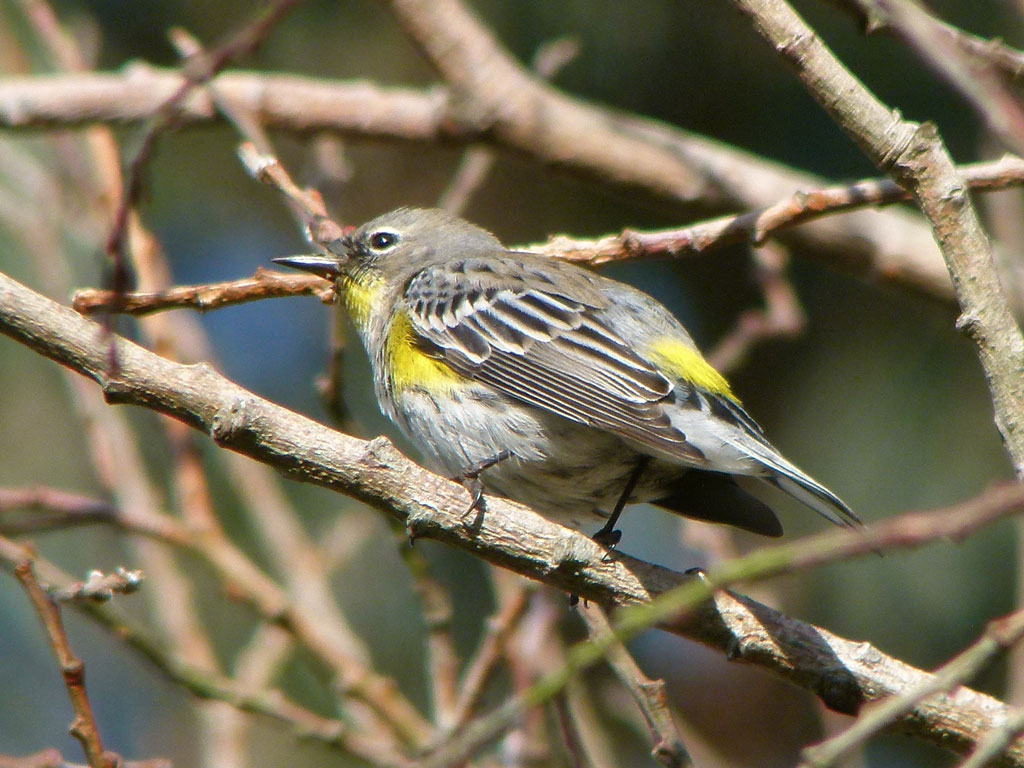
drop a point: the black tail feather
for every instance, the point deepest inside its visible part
(716, 497)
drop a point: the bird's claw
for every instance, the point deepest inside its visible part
(469, 478)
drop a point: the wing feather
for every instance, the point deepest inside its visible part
(543, 343)
(534, 332)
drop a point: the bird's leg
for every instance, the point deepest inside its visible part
(608, 536)
(470, 478)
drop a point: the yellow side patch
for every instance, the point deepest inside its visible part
(411, 367)
(681, 361)
(359, 298)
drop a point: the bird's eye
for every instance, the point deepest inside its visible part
(381, 241)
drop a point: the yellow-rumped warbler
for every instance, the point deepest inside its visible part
(562, 389)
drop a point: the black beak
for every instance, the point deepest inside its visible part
(324, 266)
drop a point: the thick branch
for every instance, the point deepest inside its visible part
(844, 673)
(917, 158)
(636, 154)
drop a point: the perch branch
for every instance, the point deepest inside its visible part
(844, 673)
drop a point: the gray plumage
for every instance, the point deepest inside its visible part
(558, 365)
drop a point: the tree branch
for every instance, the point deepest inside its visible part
(263, 285)
(84, 727)
(844, 673)
(635, 154)
(648, 694)
(754, 226)
(1000, 635)
(915, 156)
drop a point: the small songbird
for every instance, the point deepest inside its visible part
(547, 383)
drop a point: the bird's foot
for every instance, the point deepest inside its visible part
(609, 536)
(470, 479)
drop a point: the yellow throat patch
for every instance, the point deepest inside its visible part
(359, 296)
(405, 363)
(681, 361)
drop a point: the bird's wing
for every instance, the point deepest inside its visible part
(534, 333)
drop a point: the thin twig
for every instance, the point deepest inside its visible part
(263, 285)
(436, 608)
(986, 52)
(483, 664)
(596, 743)
(977, 67)
(65, 507)
(197, 70)
(529, 654)
(781, 317)
(930, 39)
(191, 50)
(756, 226)
(583, 733)
(474, 167)
(330, 384)
(569, 733)
(307, 204)
(84, 727)
(99, 587)
(648, 694)
(631, 244)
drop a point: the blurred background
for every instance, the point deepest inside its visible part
(880, 398)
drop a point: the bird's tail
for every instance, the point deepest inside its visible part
(813, 494)
(718, 499)
(778, 471)
(790, 479)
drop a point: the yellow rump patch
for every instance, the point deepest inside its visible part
(681, 361)
(409, 366)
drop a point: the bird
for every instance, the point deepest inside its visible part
(548, 383)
